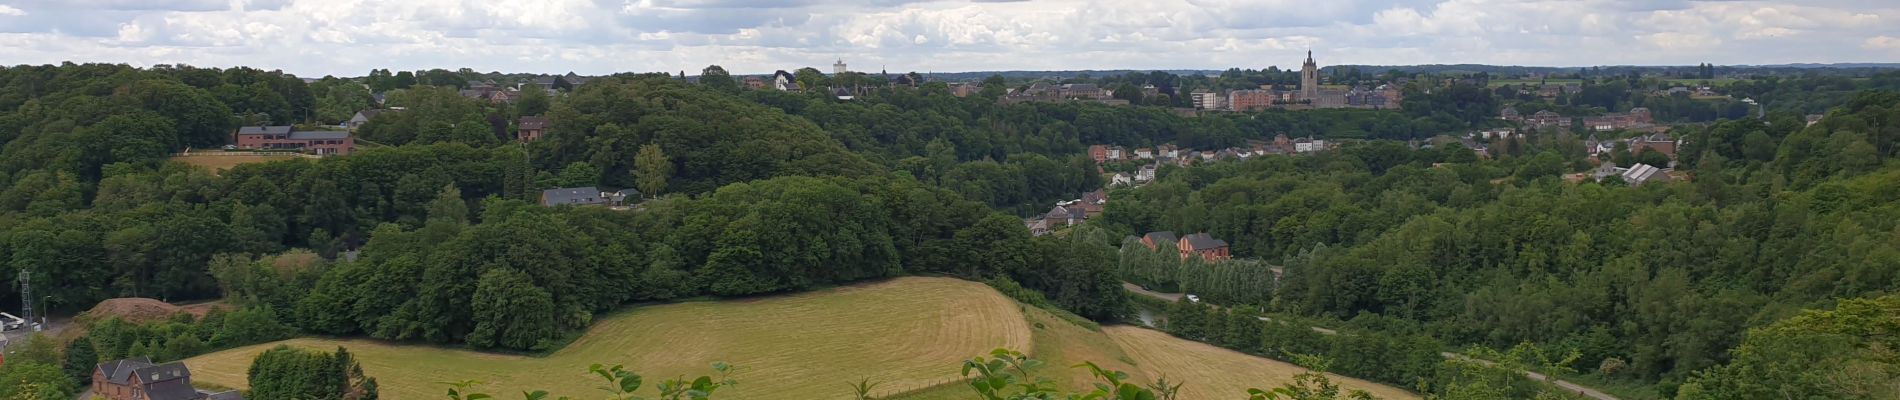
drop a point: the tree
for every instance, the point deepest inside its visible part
(81, 359)
(716, 78)
(284, 372)
(651, 170)
(534, 101)
(510, 312)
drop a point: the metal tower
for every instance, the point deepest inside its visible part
(26, 296)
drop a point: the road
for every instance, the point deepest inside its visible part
(1566, 385)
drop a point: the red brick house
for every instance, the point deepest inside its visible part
(1099, 153)
(1154, 239)
(531, 128)
(287, 138)
(1204, 246)
(139, 379)
(1660, 143)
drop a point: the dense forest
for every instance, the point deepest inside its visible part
(430, 231)
(1663, 281)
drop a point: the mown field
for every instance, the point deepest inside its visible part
(907, 331)
(910, 334)
(216, 162)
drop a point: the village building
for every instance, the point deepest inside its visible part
(286, 138)
(1660, 143)
(1204, 246)
(1154, 239)
(1099, 153)
(531, 128)
(139, 379)
(577, 196)
(361, 118)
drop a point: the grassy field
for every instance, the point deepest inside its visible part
(905, 332)
(911, 334)
(215, 162)
(1214, 373)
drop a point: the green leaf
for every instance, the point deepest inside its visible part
(630, 383)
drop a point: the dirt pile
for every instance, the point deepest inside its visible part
(142, 310)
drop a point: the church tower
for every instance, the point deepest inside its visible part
(839, 67)
(1309, 79)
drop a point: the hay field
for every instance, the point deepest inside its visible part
(1215, 373)
(215, 162)
(905, 331)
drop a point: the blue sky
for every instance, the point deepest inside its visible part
(349, 37)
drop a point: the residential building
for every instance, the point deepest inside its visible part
(1154, 239)
(1084, 91)
(577, 196)
(1249, 100)
(1144, 154)
(289, 139)
(1660, 142)
(139, 379)
(784, 81)
(1814, 119)
(1145, 174)
(754, 83)
(1121, 179)
(1037, 226)
(1309, 145)
(1207, 100)
(531, 128)
(1099, 153)
(361, 117)
(1510, 114)
(1204, 246)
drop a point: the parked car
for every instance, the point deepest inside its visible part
(1194, 298)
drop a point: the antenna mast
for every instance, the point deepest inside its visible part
(26, 296)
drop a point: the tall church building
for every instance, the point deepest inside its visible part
(1309, 79)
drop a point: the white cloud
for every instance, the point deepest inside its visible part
(348, 37)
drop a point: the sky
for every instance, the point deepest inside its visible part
(312, 38)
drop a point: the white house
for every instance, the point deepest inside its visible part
(1120, 179)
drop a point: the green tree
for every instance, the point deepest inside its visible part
(534, 101)
(510, 312)
(716, 78)
(651, 170)
(81, 359)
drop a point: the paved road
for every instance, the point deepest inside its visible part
(1566, 385)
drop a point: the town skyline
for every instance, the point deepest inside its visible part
(757, 37)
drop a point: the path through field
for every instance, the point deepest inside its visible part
(1212, 372)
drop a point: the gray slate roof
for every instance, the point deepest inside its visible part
(319, 135)
(572, 196)
(1200, 241)
(534, 122)
(1162, 236)
(121, 370)
(264, 130)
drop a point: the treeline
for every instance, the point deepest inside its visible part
(1642, 282)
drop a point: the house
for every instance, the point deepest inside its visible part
(502, 96)
(754, 83)
(576, 196)
(1065, 215)
(1204, 246)
(626, 197)
(1814, 119)
(1146, 174)
(842, 93)
(139, 379)
(1510, 114)
(1309, 145)
(1144, 154)
(361, 117)
(1037, 226)
(531, 128)
(1115, 153)
(784, 81)
(1660, 143)
(1121, 179)
(1154, 239)
(1248, 100)
(286, 138)
(1099, 153)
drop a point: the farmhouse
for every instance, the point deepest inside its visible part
(1204, 246)
(287, 138)
(577, 196)
(531, 128)
(139, 379)
(1154, 239)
